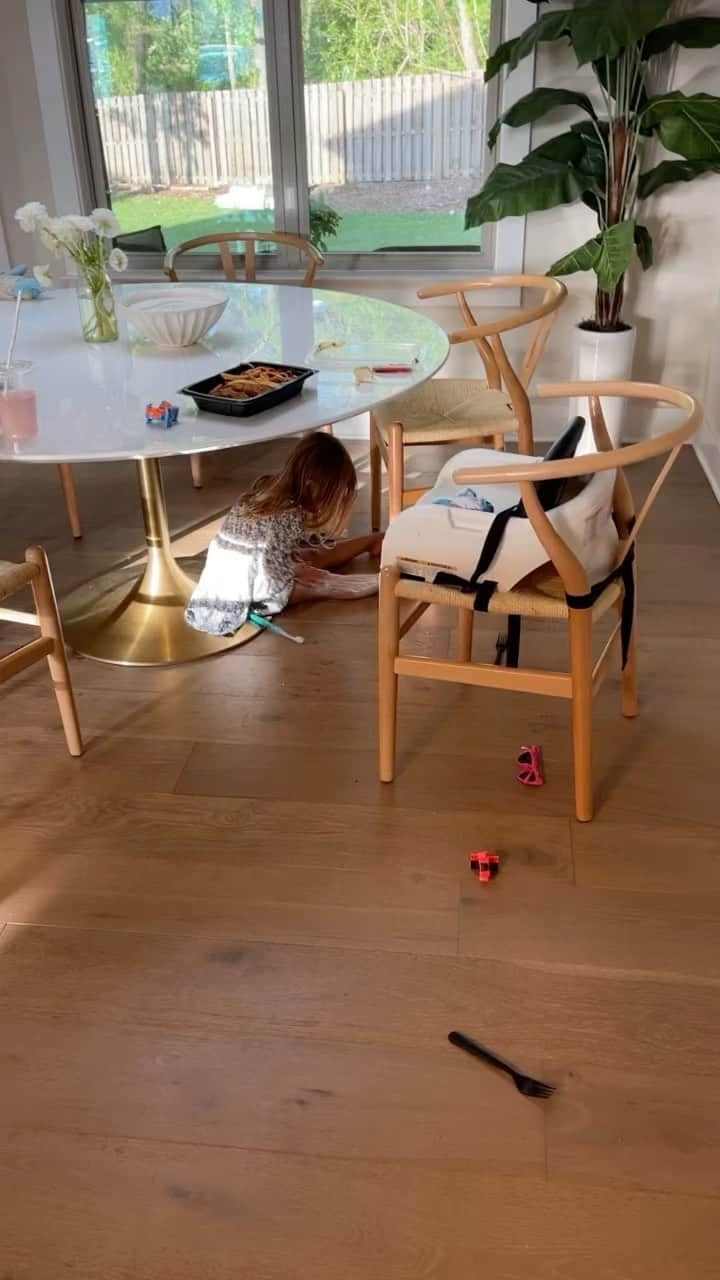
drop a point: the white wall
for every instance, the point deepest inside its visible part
(24, 168)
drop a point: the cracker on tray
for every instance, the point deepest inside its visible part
(254, 381)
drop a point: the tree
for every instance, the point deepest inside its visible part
(355, 39)
(156, 45)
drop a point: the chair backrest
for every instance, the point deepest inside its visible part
(607, 458)
(223, 240)
(499, 370)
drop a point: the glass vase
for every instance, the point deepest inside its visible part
(97, 307)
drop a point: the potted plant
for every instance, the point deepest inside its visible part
(599, 160)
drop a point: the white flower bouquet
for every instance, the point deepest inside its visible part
(87, 241)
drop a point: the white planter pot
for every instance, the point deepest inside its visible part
(602, 357)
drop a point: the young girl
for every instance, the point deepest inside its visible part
(275, 544)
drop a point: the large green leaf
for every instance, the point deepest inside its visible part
(593, 201)
(644, 246)
(673, 171)
(516, 189)
(592, 160)
(608, 255)
(568, 148)
(601, 28)
(616, 249)
(691, 33)
(584, 258)
(688, 124)
(549, 27)
(580, 148)
(536, 104)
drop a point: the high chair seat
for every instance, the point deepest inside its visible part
(428, 539)
(448, 409)
(586, 544)
(540, 595)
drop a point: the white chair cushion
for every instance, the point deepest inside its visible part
(426, 538)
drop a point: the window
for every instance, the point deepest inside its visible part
(395, 119)
(359, 122)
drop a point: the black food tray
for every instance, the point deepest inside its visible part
(208, 403)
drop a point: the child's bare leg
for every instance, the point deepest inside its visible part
(312, 583)
(343, 552)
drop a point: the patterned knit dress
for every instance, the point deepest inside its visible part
(250, 565)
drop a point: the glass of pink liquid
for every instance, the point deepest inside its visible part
(18, 404)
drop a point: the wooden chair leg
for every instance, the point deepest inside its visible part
(465, 635)
(581, 672)
(70, 496)
(396, 469)
(388, 645)
(196, 470)
(499, 440)
(50, 625)
(375, 477)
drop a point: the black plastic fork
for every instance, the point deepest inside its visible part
(525, 1084)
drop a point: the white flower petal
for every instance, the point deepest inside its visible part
(43, 276)
(118, 260)
(65, 230)
(48, 237)
(79, 222)
(31, 216)
(105, 222)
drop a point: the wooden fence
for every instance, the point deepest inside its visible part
(420, 127)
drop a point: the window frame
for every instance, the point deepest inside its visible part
(78, 171)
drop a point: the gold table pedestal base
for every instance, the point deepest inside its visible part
(137, 618)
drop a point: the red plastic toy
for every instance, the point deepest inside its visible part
(485, 864)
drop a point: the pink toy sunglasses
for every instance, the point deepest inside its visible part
(529, 770)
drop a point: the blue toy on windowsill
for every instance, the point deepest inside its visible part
(14, 281)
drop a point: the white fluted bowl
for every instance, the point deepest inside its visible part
(174, 317)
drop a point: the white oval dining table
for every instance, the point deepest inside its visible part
(91, 408)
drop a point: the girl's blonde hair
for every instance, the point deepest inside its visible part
(318, 480)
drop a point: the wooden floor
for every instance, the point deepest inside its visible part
(231, 958)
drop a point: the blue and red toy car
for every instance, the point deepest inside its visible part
(164, 414)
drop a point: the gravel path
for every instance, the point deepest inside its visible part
(439, 197)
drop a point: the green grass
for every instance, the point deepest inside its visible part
(182, 217)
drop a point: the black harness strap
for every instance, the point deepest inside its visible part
(491, 545)
(548, 492)
(626, 574)
(483, 590)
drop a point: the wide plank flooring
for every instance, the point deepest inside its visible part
(230, 957)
